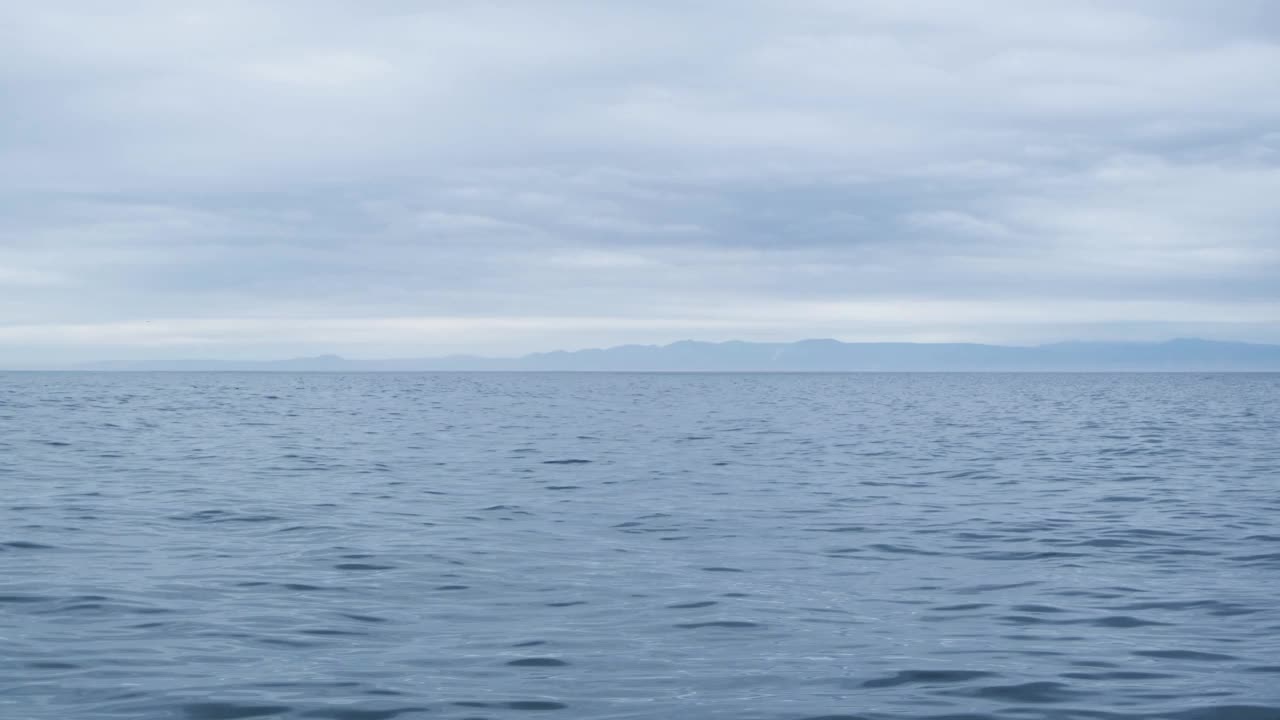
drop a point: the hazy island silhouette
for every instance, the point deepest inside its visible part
(818, 355)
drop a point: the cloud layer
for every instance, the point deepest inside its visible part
(246, 179)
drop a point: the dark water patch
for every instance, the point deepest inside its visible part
(52, 665)
(1100, 543)
(229, 711)
(927, 677)
(1118, 675)
(25, 545)
(735, 624)
(224, 516)
(346, 713)
(1260, 559)
(1185, 655)
(1123, 621)
(900, 549)
(313, 687)
(538, 662)
(1045, 609)
(1206, 605)
(1029, 692)
(692, 605)
(283, 642)
(567, 461)
(364, 618)
(1229, 712)
(840, 717)
(362, 566)
(534, 705)
(978, 589)
(98, 604)
(1020, 555)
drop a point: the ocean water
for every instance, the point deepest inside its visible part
(777, 547)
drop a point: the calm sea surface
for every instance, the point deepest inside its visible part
(773, 547)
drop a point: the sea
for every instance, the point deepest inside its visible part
(209, 546)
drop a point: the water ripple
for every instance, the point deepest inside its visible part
(639, 547)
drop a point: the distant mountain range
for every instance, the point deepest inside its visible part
(802, 356)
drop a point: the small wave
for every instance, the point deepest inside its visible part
(537, 662)
(927, 677)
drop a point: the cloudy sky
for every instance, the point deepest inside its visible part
(378, 178)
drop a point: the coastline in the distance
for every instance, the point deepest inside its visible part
(1180, 355)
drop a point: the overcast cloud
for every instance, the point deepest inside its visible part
(391, 178)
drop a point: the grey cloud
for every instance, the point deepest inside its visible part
(651, 164)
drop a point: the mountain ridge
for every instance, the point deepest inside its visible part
(810, 355)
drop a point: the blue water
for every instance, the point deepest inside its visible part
(358, 547)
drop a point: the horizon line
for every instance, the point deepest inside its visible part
(955, 364)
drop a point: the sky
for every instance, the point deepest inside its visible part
(386, 178)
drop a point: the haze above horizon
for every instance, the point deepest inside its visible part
(246, 180)
(824, 355)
